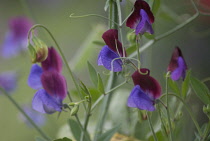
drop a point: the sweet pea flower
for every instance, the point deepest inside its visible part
(141, 19)
(8, 81)
(112, 50)
(49, 82)
(16, 38)
(177, 65)
(145, 92)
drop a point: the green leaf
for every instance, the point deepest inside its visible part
(131, 49)
(39, 139)
(100, 43)
(64, 139)
(149, 36)
(84, 88)
(75, 129)
(93, 74)
(185, 84)
(155, 6)
(100, 85)
(106, 5)
(173, 85)
(108, 135)
(200, 89)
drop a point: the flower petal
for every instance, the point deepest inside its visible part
(105, 58)
(179, 71)
(147, 83)
(8, 81)
(144, 25)
(138, 99)
(34, 79)
(44, 103)
(53, 61)
(111, 39)
(54, 83)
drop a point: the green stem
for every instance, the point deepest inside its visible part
(167, 109)
(61, 53)
(188, 109)
(161, 119)
(24, 114)
(151, 127)
(137, 48)
(206, 133)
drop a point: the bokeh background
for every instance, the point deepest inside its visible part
(76, 37)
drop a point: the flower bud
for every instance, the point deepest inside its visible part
(74, 110)
(131, 37)
(38, 50)
(206, 110)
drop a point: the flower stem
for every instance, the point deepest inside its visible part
(167, 109)
(151, 127)
(24, 114)
(188, 109)
(61, 53)
(161, 119)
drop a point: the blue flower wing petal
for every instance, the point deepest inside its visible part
(138, 99)
(179, 71)
(44, 103)
(34, 79)
(105, 58)
(144, 25)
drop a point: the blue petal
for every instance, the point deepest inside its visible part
(44, 103)
(180, 70)
(8, 81)
(138, 99)
(34, 79)
(144, 25)
(105, 58)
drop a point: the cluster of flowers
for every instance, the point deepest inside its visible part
(146, 89)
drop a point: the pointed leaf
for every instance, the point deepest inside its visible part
(108, 135)
(131, 49)
(93, 74)
(173, 85)
(75, 129)
(39, 139)
(84, 88)
(185, 84)
(100, 84)
(106, 5)
(155, 6)
(200, 89)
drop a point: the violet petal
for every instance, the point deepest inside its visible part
(179, 71)
(106, 56)
(8, 81)
(53, 61)
(44, 103)
(34, 79)
(54, 83)
(138, 99)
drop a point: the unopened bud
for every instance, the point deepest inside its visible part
(131, 37)
(74, 110)
(71, 104)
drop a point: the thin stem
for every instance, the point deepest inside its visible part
(102, 96)
(161, 119)
(188, 109)
(24, 114)
(206, 133)
(61, 53)
(137, 48)
(151, 127)
(96, 15)
(167, 109)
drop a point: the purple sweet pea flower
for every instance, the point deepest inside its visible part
(112, 50)
(177, 65)
(49, 82)
(141, 19)
(16, 38)
(38, 118)
(145, 92)
(8, 81)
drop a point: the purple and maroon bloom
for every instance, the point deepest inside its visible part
(177, 65)
(16, 38)
(141, 19)
(8, 81)
(111, 51)
(145, 92)
(50, 83)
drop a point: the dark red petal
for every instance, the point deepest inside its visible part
(135, 17)
(53, 61)
(54, 83)
(174, 60)
(111, 39)
(148, 84)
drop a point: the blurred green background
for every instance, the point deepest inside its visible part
(78, 34)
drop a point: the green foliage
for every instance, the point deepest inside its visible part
(106, 5)
(185, 84)
(200, 89)
(108, 135)
(155, 6)
(93, 74)
(39, 139)
(131, 49)
(84, 88)
(173, 85)
(64, 139)
(100, 84)
(75, 129)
